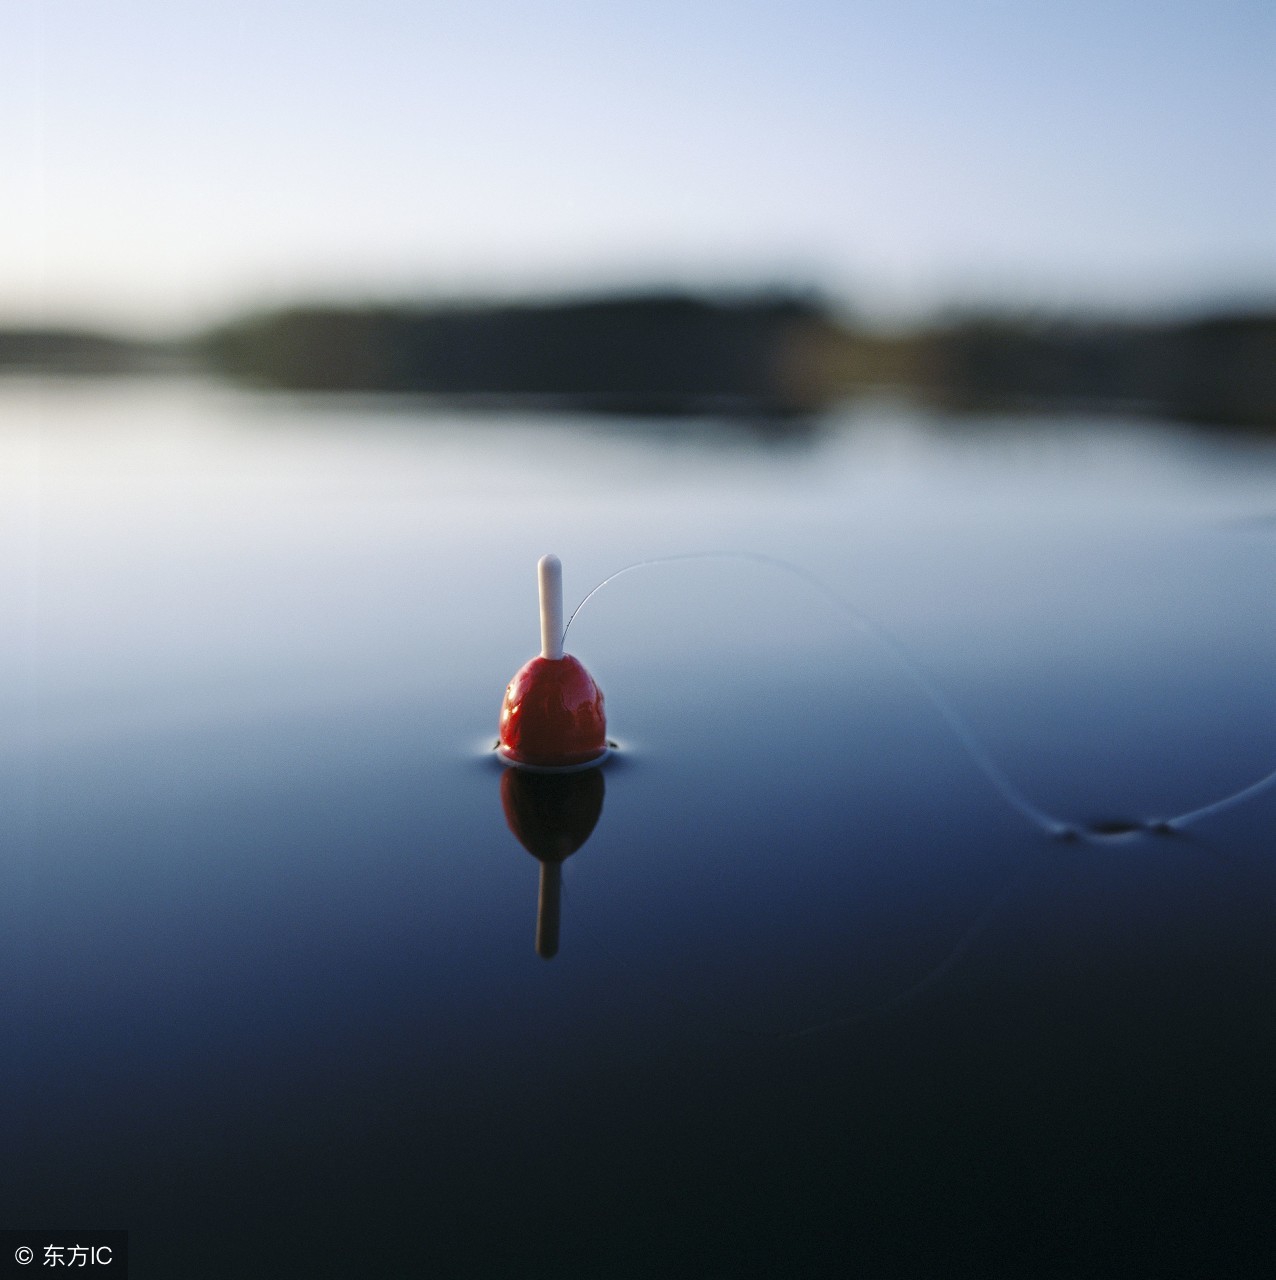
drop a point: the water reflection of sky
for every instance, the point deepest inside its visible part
(269, 933)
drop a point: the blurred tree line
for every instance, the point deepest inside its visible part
(657, 353)
(1218, 369)
(774, 355)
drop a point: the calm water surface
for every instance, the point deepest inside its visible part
(824, 993)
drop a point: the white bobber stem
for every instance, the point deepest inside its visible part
(549, 572)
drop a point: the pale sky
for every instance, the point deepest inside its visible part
(167, 162)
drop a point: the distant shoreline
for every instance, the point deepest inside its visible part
(772, 355)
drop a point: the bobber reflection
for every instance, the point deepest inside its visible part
(551, 815)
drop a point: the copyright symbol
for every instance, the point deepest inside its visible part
(23, 1256)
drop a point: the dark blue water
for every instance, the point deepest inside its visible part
(824, 995)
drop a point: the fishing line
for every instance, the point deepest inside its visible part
(912, 666)
(930, 979)
(872, 1011)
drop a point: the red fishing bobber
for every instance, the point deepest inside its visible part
(552, 717)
